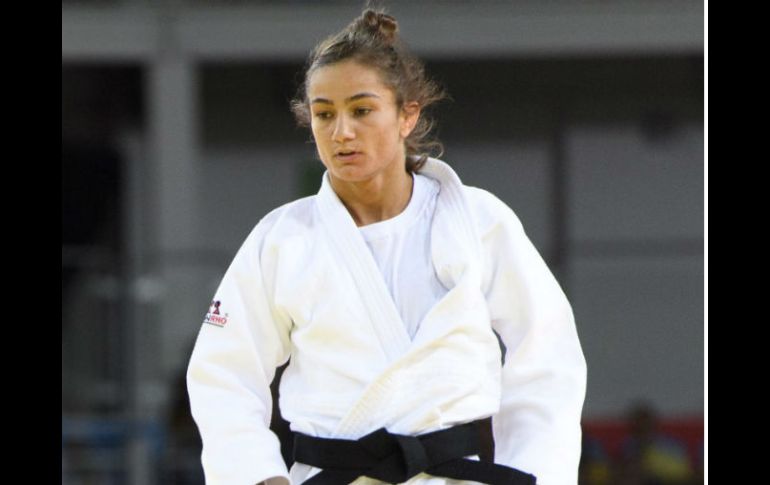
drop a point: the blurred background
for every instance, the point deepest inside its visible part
(587, 118)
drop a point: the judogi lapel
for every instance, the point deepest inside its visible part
(351, 249)
(456, 253)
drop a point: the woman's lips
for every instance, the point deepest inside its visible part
(347, 158)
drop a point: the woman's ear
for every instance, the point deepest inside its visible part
(410, 113)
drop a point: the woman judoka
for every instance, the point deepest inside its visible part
(428, 341)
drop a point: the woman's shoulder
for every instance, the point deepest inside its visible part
(490, 211)
(291, 219)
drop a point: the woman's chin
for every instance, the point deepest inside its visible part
(350, 173)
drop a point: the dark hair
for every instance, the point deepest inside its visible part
(372, 40)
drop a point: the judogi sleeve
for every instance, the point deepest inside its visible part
(229, 374)
(544, 374)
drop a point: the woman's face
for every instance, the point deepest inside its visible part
(352, 110)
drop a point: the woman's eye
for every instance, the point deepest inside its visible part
(325, 115)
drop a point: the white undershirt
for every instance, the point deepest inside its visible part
(401, 247)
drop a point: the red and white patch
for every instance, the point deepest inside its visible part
(214, 316)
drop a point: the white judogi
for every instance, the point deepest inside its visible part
(305, 285)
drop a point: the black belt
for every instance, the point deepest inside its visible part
(395, 458)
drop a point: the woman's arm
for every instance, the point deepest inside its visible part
(229, 376)
(544, 376)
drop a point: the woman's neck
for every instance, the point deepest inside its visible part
(376, 199)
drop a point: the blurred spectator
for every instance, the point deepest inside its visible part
(595, 465)
(649, 457)
(700, 465)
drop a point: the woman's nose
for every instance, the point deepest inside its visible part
(343, 129)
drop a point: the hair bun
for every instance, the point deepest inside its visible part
(382, 23)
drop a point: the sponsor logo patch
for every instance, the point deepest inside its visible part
(214, 316)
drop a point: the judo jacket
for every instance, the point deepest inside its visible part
(304, 286)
